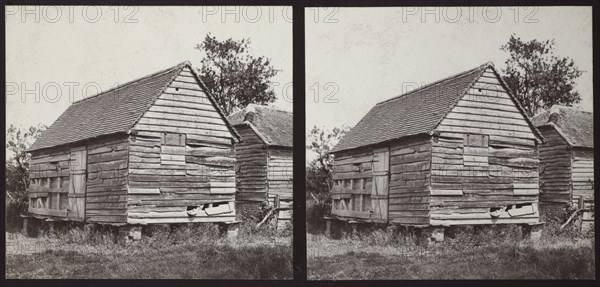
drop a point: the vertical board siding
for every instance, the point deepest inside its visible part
(106, 190)
(555, 170)
(410, 163)
(181, 157)
(251, 170)
(381, 184)
(484, 157)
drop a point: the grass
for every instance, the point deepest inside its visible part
(496, 252)
(193, 251)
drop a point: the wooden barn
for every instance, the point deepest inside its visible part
(154, 150)
(459, 151)
(567, 161)
(265, 159)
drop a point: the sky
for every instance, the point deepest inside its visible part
(357, 57)
(60, 53)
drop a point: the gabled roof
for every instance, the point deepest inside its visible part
(114, 111)
(416, 112)
(273, 126)
(576, 126)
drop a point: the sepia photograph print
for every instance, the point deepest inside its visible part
(148, 142)
(449, 143)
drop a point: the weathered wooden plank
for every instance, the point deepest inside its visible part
(144, 191)
(451, 192)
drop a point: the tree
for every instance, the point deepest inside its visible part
(319, 175)
(233, 76)
(319, 170)
(321, 142)
(17, 165)
(538, 77)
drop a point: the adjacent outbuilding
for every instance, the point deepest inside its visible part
(567, 161)
(459, 151)
(154, 150)
(265, 159)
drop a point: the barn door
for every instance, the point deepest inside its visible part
(77, 183)
(380, 185)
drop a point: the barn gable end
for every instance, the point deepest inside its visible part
(485, 159)
(182, 160)
(487, 108)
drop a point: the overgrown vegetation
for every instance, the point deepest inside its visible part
(17, 172)
(193, 251)
(319, 175)
(486, 252)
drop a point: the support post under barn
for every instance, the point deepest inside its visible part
(532, 231)
(230, 230)
(431, 234)
(130, 232)
(332, 228)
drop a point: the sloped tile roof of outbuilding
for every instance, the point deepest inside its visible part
(110, 112)
(576, 126)
(274, 126)
(415, 112)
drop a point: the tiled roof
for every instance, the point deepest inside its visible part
(575, 125)
(412, 113)
(274, 126)
(110, 112)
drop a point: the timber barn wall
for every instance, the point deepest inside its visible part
(280, 169)
(105, 198)
(49, 175)
(567, 162)
(251, 171)
(181, 156)
(410, 166)
(352, 184)
(485, 157)
(555, 159)
(106, 193)
(154, 150)
(582, 174)
(478, 164)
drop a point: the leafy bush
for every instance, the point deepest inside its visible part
(17, 173)
(316, 210)
(319, 175)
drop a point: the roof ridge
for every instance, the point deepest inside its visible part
(483, 66)
(118, 87)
